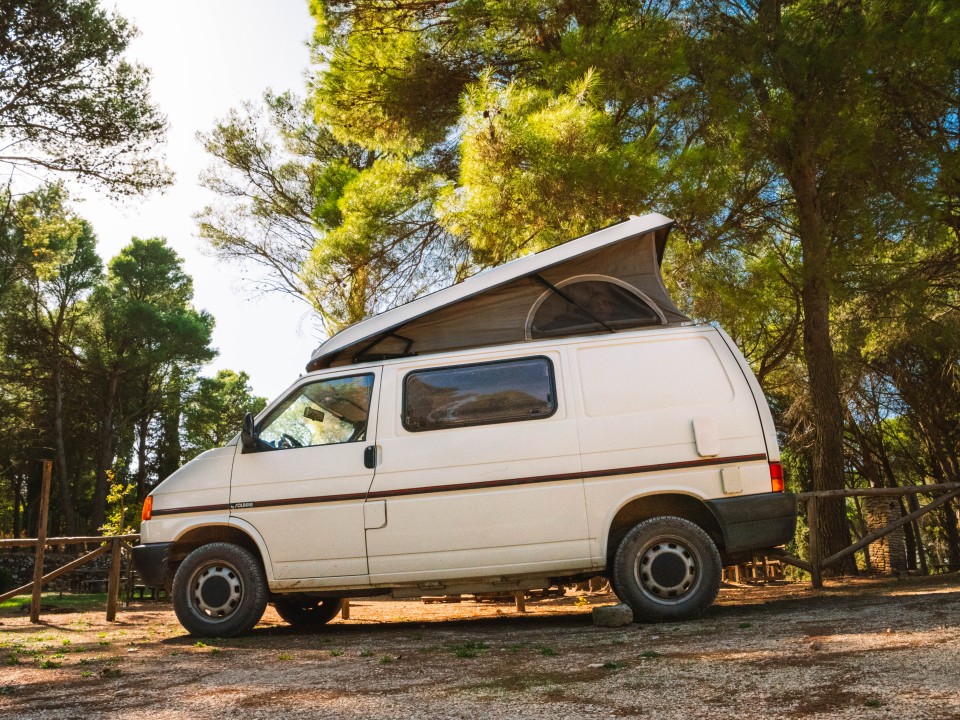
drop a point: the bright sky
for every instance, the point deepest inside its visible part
(206, 57)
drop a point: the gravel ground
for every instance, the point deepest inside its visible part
(860, 649)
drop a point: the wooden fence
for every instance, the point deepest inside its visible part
(113, 544)
(116, 545)
(818, 563)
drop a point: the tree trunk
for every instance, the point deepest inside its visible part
(914, 505)
(105, 455)
(143, 427)
(826, 408)
(17, 505)
(66, 497)
(953, 537)
(910, 537)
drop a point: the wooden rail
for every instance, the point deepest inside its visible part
(30, 542)
(113, 544)
(818, 563)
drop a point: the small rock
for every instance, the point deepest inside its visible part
(816, 646)
(612, 615)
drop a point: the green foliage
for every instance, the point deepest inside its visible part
(99, 365)
(539, 167)
(120, 498)
(70, 102)
(214, 411)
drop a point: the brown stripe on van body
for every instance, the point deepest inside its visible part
(565, 476)
(380, 494)
(191, 509)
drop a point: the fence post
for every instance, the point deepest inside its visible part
(812, 512)
(113, 582)
(41, 541)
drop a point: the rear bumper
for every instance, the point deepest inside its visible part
(755, 522)
(151, 562)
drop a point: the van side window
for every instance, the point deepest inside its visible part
(321, 413)
(480, 394)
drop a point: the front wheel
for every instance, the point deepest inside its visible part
(219, 590)
(667, 568)
(307, 612)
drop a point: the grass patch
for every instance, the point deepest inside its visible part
(650, 654)
(614, 665)
(744, 626)
(366, 653)
(546, 650)
(336, 653)
(284, 656)
(872, 703)
(387, 659)
(199, 643)
(47, 664)
(469, 650)
(81, 602)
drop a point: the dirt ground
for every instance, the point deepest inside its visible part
(863, 648)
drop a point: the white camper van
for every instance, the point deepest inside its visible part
(546, 421)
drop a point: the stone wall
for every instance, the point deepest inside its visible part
(20, 565)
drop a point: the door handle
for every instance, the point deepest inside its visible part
(370, 456)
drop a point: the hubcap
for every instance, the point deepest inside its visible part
(667, 571)
(216, 590)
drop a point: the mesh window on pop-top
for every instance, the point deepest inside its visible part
(597, 306)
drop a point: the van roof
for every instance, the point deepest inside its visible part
(499, 305)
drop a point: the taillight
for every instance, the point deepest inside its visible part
(776, 477)
(147, 508)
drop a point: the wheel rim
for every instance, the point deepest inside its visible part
(667, 570)
(216, 590)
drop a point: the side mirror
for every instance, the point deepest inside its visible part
(248, 435)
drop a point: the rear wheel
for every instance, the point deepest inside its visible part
(219, 590)
(666, 568)
(306, 611)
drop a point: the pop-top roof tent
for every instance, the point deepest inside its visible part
(606, 281)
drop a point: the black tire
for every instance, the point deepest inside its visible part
(219, 590)
(307, 612)
(666, 568)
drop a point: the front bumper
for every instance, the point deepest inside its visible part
(755, 522)
(151, 561)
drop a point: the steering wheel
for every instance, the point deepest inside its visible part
(288, 441)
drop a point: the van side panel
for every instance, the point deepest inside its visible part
(476, 501)
(638, 400)
(766, 418)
